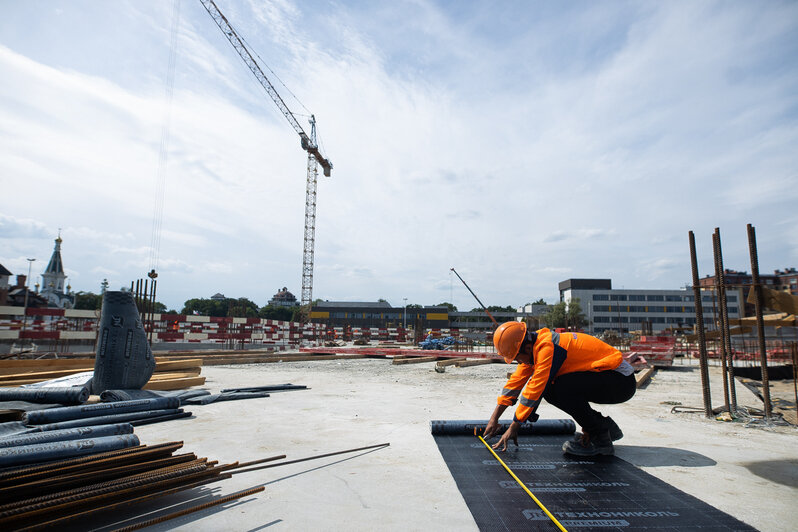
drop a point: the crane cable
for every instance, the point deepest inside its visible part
(545, 510)
(160, 179)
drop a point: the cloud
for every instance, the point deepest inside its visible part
(580, 234)
(11, 227)
(521, 145)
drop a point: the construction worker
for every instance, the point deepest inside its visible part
(570, 370)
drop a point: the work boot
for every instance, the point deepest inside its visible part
(586, 444)
(615, 431)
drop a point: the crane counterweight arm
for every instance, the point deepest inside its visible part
(308, 144)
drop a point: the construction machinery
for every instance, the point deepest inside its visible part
(308, 142)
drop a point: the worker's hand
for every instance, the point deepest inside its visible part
(491, 429)
(510, 434)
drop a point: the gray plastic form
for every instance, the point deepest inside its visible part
(123, 357)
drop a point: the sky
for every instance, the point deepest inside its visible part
(521, 143)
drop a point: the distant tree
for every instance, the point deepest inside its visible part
(556, 316)
(242, 308)
(413, 305)
(381, 300)
(88, 301)
(277, 312)
(206, 307)
(451, 307)
(576, 319)
(494, 308)
(564, 315)
(539, 302)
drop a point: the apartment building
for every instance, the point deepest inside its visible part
(651, 310)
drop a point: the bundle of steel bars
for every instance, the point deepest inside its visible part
(68, 491)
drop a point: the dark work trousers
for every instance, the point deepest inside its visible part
(573, 393)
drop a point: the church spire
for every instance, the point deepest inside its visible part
(53, 277)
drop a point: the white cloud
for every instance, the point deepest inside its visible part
(519, 145)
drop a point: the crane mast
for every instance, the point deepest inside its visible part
(308, 143)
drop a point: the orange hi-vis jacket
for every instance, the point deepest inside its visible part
(554, 354)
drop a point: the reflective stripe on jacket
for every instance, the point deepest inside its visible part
(554, 354)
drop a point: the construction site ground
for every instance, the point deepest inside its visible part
(749, 472)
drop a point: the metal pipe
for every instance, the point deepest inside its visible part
(760, 323)
(699, 317)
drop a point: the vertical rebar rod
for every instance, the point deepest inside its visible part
(152, 309)
(724, 310)
(699, 318)
(719, 317)
(794, 348)
(760, 322)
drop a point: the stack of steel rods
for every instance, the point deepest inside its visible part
(72, 490)
(61, 491)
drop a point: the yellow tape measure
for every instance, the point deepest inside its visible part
(548, 513)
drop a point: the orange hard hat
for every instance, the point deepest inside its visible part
(507, 339)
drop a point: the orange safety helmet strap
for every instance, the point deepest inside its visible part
(508, 338)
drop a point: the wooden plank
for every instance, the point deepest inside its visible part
(413, 360)
(175, 384)
(175, 375)
(61, 363)
(451, 361)
(468, 363)
(270, 360)
(42, 375)
(643, 376)
(171, 365)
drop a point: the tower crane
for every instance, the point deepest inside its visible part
(308, 144)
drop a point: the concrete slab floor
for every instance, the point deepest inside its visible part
(750, 473)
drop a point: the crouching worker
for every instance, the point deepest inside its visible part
(570, 370)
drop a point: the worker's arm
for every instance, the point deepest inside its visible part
(509, 396)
